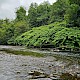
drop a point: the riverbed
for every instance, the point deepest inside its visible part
(19, 67)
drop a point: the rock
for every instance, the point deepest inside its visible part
(35, 73)
(38, 74)
(18, 72)
(78, 75)
(37, 77)
(44, 79)
(41, 79)
(66, 76)
(31, 73)
(29, 77)
(51, 75)
(54, 78)
(24, 65)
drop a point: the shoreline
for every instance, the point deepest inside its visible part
(38, 50)
(57, 49)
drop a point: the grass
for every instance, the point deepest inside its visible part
(26, 53)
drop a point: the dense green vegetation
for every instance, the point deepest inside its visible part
(53, 35)
(46, 25)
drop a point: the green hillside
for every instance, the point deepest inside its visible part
(53, 35)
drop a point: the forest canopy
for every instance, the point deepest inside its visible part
(56, 25)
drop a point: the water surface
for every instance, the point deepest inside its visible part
(17, 67)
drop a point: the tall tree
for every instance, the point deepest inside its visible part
(58, 10)
(72, 16)
(21, 14)
(43, 13)
(75, 2)
(39, 15)
(32, 14)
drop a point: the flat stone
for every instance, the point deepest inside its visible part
(41, 79)
(54, 78)
(29, 77)
(35, 73)
(78, 74)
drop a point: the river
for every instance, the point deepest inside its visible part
(18, 67)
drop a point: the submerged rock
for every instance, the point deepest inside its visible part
(68, 76)
(38, 74)
(41, 79)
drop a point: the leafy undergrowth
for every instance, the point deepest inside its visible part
(53, 35)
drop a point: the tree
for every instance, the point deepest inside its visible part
(43, 15)
(6, 31)
(72, 15)
(75, 2)
(32, 14)
(58, 10)
(39, 15)
(20, 27)
(21, 14)
(20, 24)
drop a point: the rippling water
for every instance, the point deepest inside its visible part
(16, 67)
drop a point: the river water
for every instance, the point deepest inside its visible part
(17, 67)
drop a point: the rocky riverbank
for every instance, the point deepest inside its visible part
(21, 67)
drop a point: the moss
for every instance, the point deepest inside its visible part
(26, 53)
